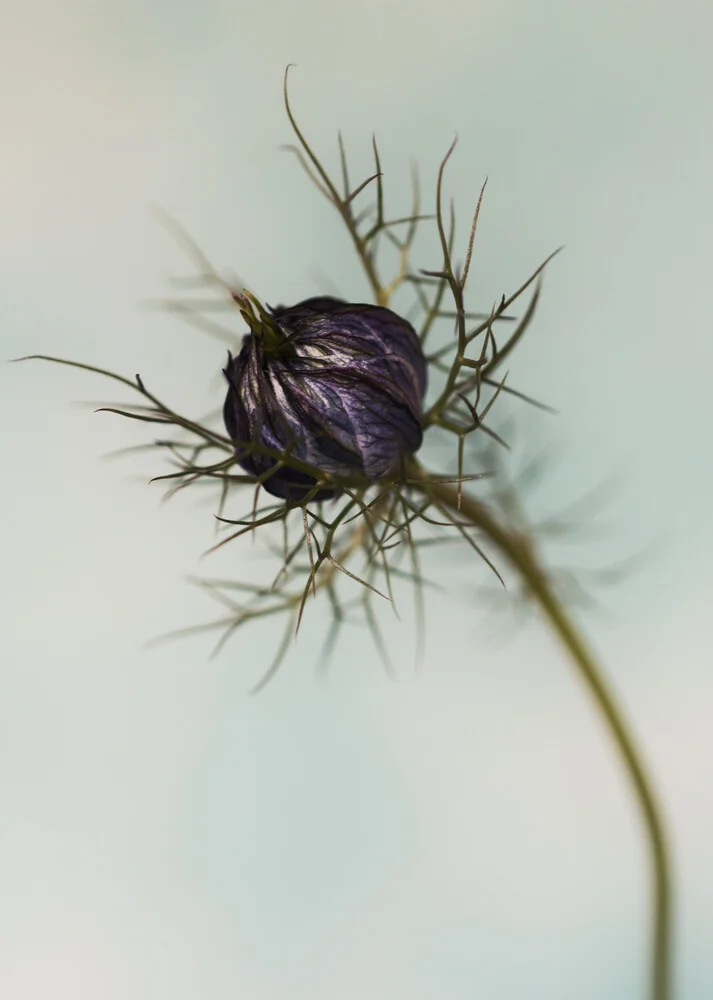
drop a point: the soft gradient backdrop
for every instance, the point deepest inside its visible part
(462, 833)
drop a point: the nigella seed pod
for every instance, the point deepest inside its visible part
(336, 385)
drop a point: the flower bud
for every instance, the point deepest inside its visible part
(332, 384)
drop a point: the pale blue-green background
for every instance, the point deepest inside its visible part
(462, 833)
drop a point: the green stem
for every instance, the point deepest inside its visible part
(519, 551)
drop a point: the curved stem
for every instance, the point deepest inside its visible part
(519, 551)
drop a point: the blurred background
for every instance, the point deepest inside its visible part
(463, 832)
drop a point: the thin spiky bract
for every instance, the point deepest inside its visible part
(375, 530)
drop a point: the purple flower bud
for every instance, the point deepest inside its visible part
(336, 385)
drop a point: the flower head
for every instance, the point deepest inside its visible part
(336, 386)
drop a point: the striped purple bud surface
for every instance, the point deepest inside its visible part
(336, 385)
